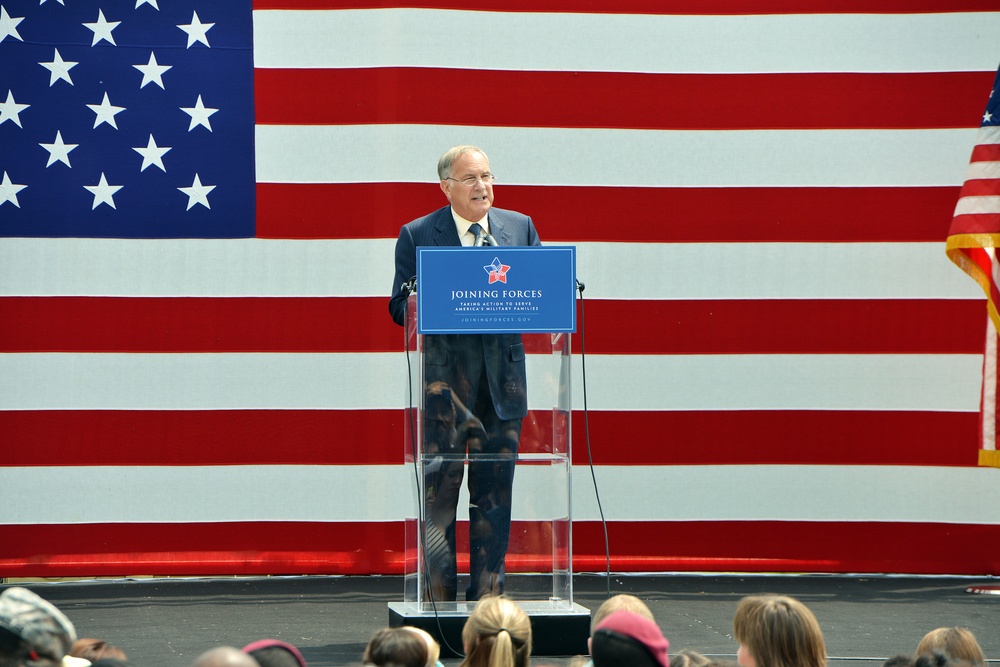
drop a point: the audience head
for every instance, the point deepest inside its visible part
(497, 634)
(224, 656)
(955, 643)
(621, 602)
(722, 662)
(627, 639)
(777, 631)
(433, 648)
(396, 647)
(899, 661)
(688, 658)
(940, 659)
(93, 650)
(32, 629)
(274, 653)
(932, 659)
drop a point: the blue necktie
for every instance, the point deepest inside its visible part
(477, 231)
(482, 237)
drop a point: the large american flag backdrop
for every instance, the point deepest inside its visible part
(199, 202)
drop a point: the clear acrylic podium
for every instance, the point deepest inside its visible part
(539, 569)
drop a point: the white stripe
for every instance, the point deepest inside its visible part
(628, 43)
(988, 134)
(790, 493)
(782, 382)
(919, 494)
(49, 381)
(255, 267)
(770, 271)
(614, 157)
(974, 205)
(194, 267)
(989, 403)
(983, 171)
(194, 494)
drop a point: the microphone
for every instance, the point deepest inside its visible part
(409, 286)
(488, 238)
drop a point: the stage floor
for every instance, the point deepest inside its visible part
(168, 622)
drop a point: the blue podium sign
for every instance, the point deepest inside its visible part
(496, 289)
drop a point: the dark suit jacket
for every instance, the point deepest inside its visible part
(459, 360)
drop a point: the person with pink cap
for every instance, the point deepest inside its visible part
(626, 639)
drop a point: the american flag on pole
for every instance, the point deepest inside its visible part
(972, 242)
(199, 203)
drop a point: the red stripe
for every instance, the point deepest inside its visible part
(986, 153)
(975, 223)
(807, 437)
(307, 437)
(788, 546)
(595, 99)
(187, 324)
(199, 438)
(981, 187)
(784, 326)
(568, 213)
(696, 7)
(349, 324)
(203, 548)
(376, 548)
(985, 263)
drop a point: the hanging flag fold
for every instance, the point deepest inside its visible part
(972, 243)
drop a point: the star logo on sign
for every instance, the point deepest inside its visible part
(106, 112)
(152, 154)
(140, 3)
(58, 151)
(59, 69)
(8, 191)
(10, 109)
(196, 31)
(199, 115)
(102, 29)
(103, 193)
(152, 72)
(497, 271)
(197, 193)
(8, 26)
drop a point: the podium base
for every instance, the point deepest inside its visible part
(557, 627)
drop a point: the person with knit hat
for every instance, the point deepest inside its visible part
(32, 630)
(627, 639)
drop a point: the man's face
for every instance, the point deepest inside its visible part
(470, 202)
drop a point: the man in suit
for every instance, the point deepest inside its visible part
(481, 375)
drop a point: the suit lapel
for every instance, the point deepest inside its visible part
(444, 228)
(498, 229)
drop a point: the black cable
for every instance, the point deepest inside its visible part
(586, 431)
(408, 288)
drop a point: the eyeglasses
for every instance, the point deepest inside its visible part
(472, 180)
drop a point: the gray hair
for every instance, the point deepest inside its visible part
(444, 164)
